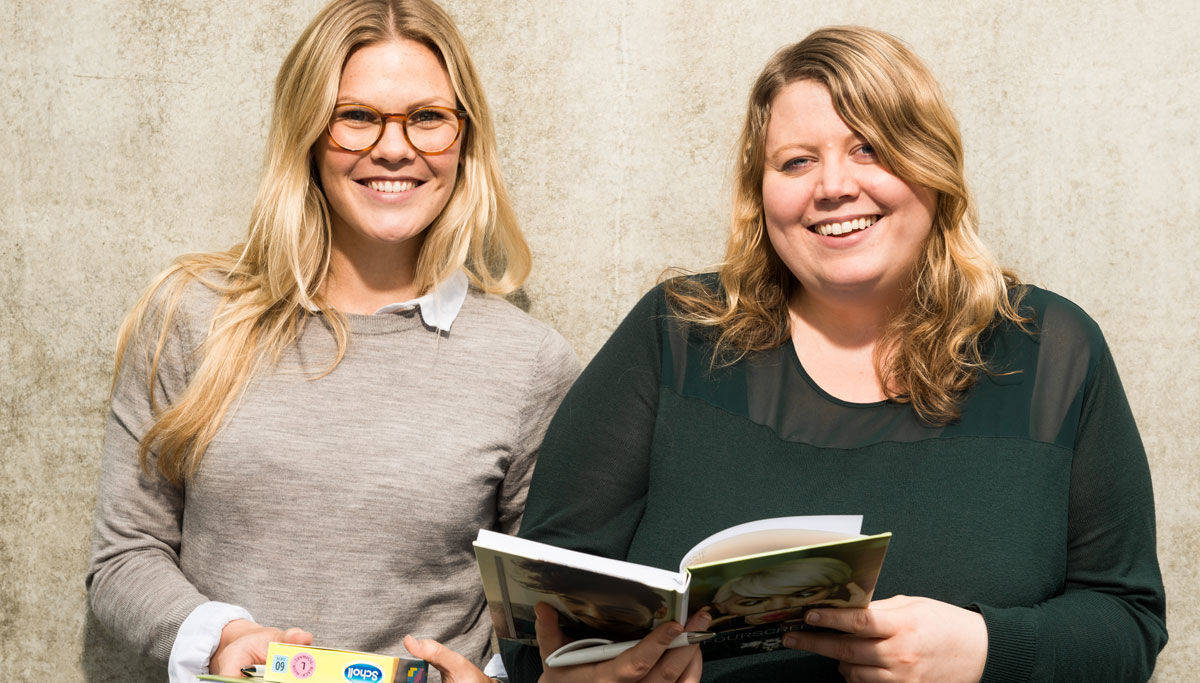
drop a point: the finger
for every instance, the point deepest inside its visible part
(695, 668)
(259, 641)
(453, 666)
(840, 646)
(699, 621)
(636, 662)
(861, 673)
(867, 622)
(231, 665)
(297, 636)
(549, 636)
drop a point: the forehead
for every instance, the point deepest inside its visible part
(393, 75)
(802, 113)
(605, 599)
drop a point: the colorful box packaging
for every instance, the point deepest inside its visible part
(303, 664)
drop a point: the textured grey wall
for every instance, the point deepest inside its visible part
(134, 131)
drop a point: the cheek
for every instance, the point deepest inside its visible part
(782, 203)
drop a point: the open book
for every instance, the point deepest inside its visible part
(757, 578)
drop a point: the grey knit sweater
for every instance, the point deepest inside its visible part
(345, 505)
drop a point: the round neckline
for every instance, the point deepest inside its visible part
(381, 323)
(789, 347)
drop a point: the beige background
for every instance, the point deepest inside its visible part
(133, 132)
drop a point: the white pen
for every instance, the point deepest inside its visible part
(591, 650)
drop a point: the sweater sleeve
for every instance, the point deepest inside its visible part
(555, 367)
(588, 491)
(134, 582)
(1109, 621)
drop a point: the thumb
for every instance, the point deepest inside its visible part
(549, 636)
(297, 636)
(453, 666)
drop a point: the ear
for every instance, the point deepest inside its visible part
(661, 611)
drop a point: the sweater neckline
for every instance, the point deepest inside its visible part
(383, 323)
(789, 348)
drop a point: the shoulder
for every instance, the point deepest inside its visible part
(661, 303)
(512, 334)
(179, 306)
(1060, 326)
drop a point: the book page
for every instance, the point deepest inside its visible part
(765, 535)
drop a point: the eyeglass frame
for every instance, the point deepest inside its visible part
(460, 114)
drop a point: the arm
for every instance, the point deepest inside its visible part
(589, 487)
(1106, 624)
(553, 370)
(1109, 621)
(134, 583)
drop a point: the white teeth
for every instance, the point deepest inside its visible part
(391, 185)
(845, 226)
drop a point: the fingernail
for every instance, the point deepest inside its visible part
(812, 617)
(674, 630)
(790, 640)
(705, 620)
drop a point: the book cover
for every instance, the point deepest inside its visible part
(756, 600)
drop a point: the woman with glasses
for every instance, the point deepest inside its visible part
(859, 351)
(307, 430)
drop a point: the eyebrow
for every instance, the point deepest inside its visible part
(800, 146)
(435, 100)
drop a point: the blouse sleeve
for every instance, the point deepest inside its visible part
(588, 491)
(1109, 621)
(134, 582)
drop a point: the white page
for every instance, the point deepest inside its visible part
(650, 576)
(777, 533)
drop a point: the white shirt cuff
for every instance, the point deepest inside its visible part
(495, 668)
(198, 638)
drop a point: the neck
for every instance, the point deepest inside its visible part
(365, 277)
(846, 322)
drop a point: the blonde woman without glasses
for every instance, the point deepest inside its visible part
(307, 430)
(859, 351)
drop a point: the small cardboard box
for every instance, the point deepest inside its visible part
(302, 664)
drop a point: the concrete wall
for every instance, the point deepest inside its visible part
(133, 132)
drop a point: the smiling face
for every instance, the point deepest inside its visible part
(388, 195)
(843, 225)
(620, 615)
(769, 608)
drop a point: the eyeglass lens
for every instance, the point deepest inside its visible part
(429, 129)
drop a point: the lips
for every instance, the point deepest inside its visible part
(834, 227)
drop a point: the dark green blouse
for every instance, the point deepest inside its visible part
(1035, 508)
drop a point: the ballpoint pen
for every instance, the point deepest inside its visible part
(591, 650)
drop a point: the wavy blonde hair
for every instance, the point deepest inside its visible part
(269, 285)
(931, 352)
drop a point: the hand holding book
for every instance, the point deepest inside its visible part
(910, 637)
(652, 659)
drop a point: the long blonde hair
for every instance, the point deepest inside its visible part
(268, 285)
(931, 351)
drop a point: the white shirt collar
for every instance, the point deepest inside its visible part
(439, 306)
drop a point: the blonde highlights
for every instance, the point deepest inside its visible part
(269, 285)
(931, 351)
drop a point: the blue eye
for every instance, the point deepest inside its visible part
(795, 164)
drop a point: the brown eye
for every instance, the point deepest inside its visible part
(356, 116)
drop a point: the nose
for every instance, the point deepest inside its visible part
(393, 146)
(837, 181)
(777, 602)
